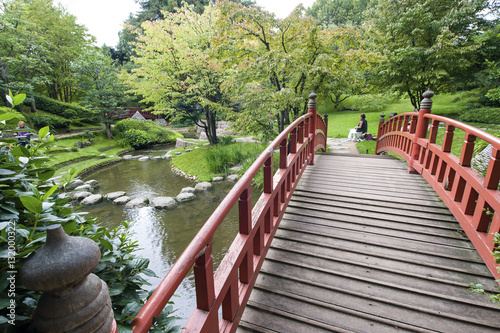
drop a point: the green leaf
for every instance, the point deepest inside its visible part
(50, 192)
(6, 172)
(32, 204)
(106, 244)
(18, 99)
(42, 133)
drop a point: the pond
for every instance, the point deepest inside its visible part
(163, 234)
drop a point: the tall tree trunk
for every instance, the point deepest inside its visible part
(211, 129)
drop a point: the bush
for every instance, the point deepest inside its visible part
(488, 116)
(143, 134)
(220, 157)
(31, 202)
(51, 121)
(66, 110)
(11, 117)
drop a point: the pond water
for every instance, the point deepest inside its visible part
(163, 234)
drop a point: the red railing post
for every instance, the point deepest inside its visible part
(380, 131)
(493, 174)
(312, 124)
(293, 141)
(245, 211)
(204, 279)
(268, 173)
(421, 130)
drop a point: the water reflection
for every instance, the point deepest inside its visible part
(162, 235)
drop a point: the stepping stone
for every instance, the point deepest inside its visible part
(115, 195)
(218, 179)
(185, 197)
(232, 178)
(163, 203)
(203, 186)
(76, 182)
(92, 200)
(122, 200)
(84, 187)
(188, 190)
(137, 203)
(80, 195)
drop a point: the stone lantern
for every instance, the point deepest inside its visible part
(73, 298)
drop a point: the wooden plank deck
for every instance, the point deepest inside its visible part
(367, 247)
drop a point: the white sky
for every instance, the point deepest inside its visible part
(104, 18)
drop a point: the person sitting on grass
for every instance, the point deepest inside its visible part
(23, 137)
(359, 130)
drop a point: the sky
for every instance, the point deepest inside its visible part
(104, 18)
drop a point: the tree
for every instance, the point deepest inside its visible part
(98, 79)
(177, 72)
(424, 43)
(22, 49)
(336, 12)
(275, 64)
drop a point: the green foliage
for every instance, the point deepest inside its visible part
(66, 110)
(421, 49)
(29, 202)
(142, 134)
(10, 116)
(220, 158)
(98, 78)
(51, 121)
(336, 12)
(489, 116)
(477, 287)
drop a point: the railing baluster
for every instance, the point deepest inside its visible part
(448, 138)
(245, 211)
(481, 220)
(493, 173)
(301, 132)
(467, 150)
(268, 174)
(469, 201)
(230, 301)
(283, 154)
(246, 267)
(258, 240)
(204, 279)
(434, 131)
(293, 141)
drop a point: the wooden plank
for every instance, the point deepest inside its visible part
(389, 257)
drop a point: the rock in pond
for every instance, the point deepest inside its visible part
(93, 183)
(80, 195)
(92, 200)
(144, 158)
(167, 156)
(218, 179)
(115, 195)
(232, 178)
(127, 157)
(163, 203)
(84, 187)
(122, 200)
(188, 190)
(137, 203)
(76, 182)
(157, 158)
(184, 197)
(203, 186)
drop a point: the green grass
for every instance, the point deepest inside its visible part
(81, 158)
(195, 163)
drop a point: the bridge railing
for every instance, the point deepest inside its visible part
(230, 286)
(473, 199)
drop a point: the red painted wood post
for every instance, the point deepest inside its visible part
(301, 132)
(467, 150)
(312, 124)
(493, 175)
(283, 154)
(448, 138)
(293, 141)
(421, 130)
(268, 173)
(380, 131)
(245, 211)
(204, 279)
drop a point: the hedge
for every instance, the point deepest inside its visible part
(66, 110)
(141, 134)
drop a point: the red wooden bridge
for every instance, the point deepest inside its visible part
(352, 243)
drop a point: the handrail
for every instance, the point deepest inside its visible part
(473, 199)
(233, 281)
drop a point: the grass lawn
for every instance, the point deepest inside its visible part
(64, 156)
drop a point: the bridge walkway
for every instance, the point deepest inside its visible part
(366, 247)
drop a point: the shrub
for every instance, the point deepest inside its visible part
(66, 110)
(30, 202)
(142, 134)
(220, 157)
(488, 116)
(51, 121)
(11, 117)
